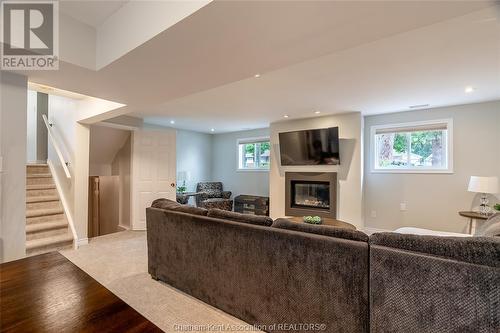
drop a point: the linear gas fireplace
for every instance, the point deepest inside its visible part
(311, 193)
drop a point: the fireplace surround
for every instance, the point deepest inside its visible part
(311, 193)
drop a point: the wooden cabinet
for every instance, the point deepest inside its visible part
(251, 204)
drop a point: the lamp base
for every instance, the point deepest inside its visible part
(484, 209)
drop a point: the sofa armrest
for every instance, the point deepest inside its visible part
(200, 197)
(226, 194)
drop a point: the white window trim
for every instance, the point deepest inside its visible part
(449, 147)
(249, 140)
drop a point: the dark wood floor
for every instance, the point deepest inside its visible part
(48, 293)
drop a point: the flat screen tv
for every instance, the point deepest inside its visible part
(310, 147)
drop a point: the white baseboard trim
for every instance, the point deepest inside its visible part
(81, 241)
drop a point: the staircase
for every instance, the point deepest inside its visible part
(47, 228)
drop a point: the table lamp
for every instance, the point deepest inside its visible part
(485, 186)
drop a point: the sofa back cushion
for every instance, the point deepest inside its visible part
(262, 275)
(325, 230)
(474, 250)
(434, 284)
(175, 206)
(238, 217)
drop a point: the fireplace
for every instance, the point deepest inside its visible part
(311, 193)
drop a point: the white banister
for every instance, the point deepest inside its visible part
(56, 146)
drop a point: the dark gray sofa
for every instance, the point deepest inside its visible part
(270, 275)
(260, 274)
(434, 284)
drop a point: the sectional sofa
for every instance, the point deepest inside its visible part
(285, 276)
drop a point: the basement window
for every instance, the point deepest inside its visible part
(254, 154)
(417, 147)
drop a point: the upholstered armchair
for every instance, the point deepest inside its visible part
(212, 195)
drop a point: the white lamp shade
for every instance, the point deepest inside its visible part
(483, 184)
(183, 176)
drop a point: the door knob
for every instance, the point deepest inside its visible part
(173, 184)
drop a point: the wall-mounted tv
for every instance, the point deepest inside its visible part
(310, 147)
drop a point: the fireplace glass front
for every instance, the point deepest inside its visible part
(310, 194)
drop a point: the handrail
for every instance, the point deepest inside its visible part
(56, 146)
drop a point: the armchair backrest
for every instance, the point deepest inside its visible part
(210, 189)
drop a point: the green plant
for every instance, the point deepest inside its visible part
(181, 189)
(497, 207)
(312, 219)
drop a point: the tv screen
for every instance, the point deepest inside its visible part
(310, 147)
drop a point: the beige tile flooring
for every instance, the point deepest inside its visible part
(119, 262)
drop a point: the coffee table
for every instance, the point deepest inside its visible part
(324, 221)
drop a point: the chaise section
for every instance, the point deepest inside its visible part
(434, 284)
(262, 275)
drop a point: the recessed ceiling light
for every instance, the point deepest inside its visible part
(469, 89)
(317, 112)
(212, 130)
(286, 116)
(172, 122)
(256, 76)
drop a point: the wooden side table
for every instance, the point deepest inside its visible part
(473, 217)
(325, 221)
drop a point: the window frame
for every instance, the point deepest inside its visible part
(252, 140)
(448, 150)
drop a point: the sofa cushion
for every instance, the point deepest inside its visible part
(475, 250)
(238, 217)
(325, 230)
(490, 228)
(177, 207)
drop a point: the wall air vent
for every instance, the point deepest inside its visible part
(418, 106)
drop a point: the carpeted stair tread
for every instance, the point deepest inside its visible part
(44, 212)
(39, 175)
(50, 241)
(40, 187)
(42, 198)
(45, 218)
(38, 227)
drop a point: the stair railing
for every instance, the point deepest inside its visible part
(52, 139)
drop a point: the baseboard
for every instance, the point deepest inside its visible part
(139, 226)
(81, 241)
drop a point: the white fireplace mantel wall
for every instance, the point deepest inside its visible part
(349, 172)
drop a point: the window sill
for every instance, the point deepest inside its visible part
(428, 171)
(252, 170)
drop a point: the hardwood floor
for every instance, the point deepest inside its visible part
(48, 293)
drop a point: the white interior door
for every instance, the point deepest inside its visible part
(153, 171)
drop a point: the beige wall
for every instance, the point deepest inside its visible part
(433, 200)
(349, 172)
(13, 123)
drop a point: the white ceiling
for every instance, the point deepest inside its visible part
(91, 12)
(430, 65)
(332, 56)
